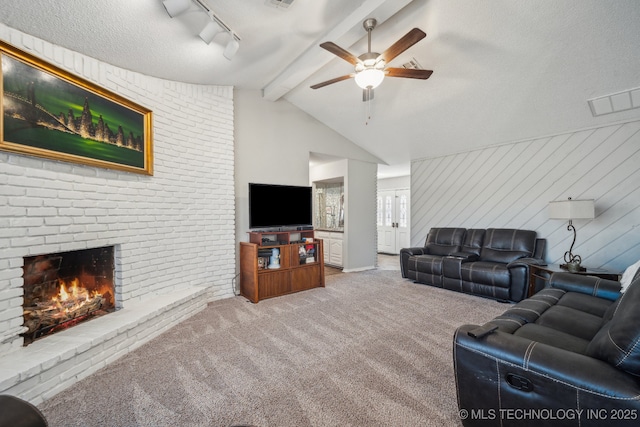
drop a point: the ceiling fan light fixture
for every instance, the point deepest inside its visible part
(369, 78)
(176, 7)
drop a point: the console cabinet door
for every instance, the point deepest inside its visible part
(273, 283)
(304, 278)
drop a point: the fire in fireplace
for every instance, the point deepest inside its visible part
(66, 288)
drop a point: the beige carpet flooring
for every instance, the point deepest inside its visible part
(370, 349)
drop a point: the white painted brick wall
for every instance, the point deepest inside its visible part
(172, 230)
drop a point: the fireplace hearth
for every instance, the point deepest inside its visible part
(66, 288)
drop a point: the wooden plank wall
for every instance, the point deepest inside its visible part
(510, 186)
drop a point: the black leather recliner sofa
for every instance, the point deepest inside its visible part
(567, 356)
(491, 263)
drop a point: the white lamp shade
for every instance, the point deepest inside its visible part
(209, 32)
(231, 48)
(369, 78)
(572, 209)
(176, 7)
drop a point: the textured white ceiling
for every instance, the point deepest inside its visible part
(504, 70)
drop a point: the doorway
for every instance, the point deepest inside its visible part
(393, 221)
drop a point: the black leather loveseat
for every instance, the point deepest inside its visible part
(489, 262)
(567, 356)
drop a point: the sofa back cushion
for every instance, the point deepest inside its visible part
(505, 245)
(618, 341)
(473, 239)
(444, 241)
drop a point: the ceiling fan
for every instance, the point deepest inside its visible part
(370, 67)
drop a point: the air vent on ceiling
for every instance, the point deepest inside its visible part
(612, 103)
(413, 64)
(280, 4)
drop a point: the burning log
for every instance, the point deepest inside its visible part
(65, 307)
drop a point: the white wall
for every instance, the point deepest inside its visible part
(510, 185)
(360, 216)
(396, 183)
(273, 142)
(174, 229)
(359, 240)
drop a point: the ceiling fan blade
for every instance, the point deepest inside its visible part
(410, 73)
(332, 81)
(367, 94)
(342, 53)
(409, 39)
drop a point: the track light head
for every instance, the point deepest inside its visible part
(232, 47)
(176, 7)
(209, 31)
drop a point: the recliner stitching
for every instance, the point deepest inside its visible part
(526, 309)
(510, 320)
(627, 353)
(504, 362)
(578, 406)
(541, 301)
(527, 355)
(620, 302)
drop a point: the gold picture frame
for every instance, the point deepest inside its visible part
(49, 112)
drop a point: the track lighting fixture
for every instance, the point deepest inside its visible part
(176, 7)
(231, 48)
(209, 32)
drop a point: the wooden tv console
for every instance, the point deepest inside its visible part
(297, 272)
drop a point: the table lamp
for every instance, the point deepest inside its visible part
(571, 209)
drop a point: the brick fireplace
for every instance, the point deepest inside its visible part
(173, 233)
(64, 289)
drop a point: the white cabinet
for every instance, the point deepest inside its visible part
(332, 247)
(335, 251)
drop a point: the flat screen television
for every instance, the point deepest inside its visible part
(279, 206)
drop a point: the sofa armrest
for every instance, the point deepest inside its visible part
(525, 262)
(556, 376)
(413, 251)
(519, 270)
(405, 253)
(591, 285)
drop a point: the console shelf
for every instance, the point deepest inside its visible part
(273, 238)
(297, 271)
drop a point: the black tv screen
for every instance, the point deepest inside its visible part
(272, 206)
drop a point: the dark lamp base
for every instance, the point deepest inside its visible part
(564, 267)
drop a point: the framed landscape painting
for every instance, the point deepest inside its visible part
(51, 113)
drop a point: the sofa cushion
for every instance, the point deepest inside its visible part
(510, 238)
(426, 264)
(618, 341)
(549, 317)
(586, 303)
(553, 337)
(473, 239)
(444, 241)
(501, 255)
(571, 321)
(486, 273)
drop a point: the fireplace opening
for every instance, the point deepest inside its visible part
(66, 288)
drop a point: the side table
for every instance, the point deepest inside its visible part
(544, 272)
